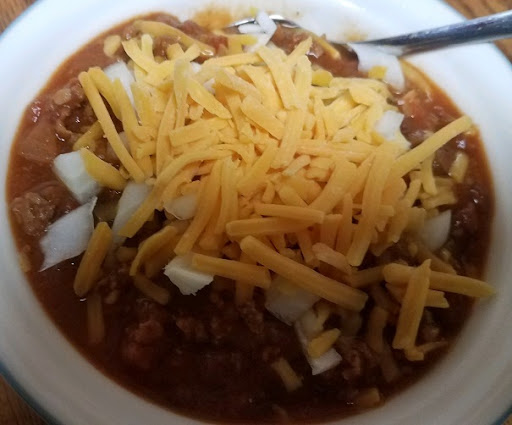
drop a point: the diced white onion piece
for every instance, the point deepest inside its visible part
(370, 57)
(287, 301)
(120, 70)
(133, 196)
(402, 142)
(70, 168)
(209, 86)
(250, 29)
(267, 25)
(436, 230)
(310, 325)
(262, 40)
(196, 67)
(326, 361)
(389, 124)
(263, 30)
(68, 236)
(184, 207)
(185, 277)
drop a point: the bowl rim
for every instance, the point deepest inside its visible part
(20, 390)
(25, 393)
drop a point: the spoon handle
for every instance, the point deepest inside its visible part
(487, 28)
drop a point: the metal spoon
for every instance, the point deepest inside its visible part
(487, 28)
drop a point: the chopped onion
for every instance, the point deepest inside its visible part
(208, 85)
(263, 30)
(402, 142)
(185, 277)
(262, 40)
(287, 301)
(310, 325)
(267, 25)
(120, 70)
(70, 168)
(436, 230)
(68, 236)
(196, 67)
(133, 196)
(326, 361)
(389, 124)
(370, 57)
(184, 207)
(250, 29)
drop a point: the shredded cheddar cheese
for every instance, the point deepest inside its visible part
(92, 260)
(290, 174)
(322, 343)
(289, 377)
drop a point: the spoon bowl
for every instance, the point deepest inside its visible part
(487, 28)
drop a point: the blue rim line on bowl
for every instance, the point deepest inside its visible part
(501, 420)
(48, 417)
(31, 401)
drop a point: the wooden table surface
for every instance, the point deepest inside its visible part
(13, 410)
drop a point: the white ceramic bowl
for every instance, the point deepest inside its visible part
(472, 385)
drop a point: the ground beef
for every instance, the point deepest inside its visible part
(161, 44)
(465, 219)
(473, 200)
(203, 35)
(71, 112)
(252, 316)
(192, 328)
(358, 358)
(71, 95)
(104, 151)
(219, 364)
(449, 319)
(56, 121)
(220, 328)
(33, 212)
(344, 66)
(443, 159)
(138, 355)
(167, 19)
(423, 116)
(144, 339)
(148, 332)
(40, 143)
(146, 309)
(216, 299)
(418, 124)
(188, 27)
(287, 38)
(36, 208)
(60, 125)
(115, 279)
(429, 329)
